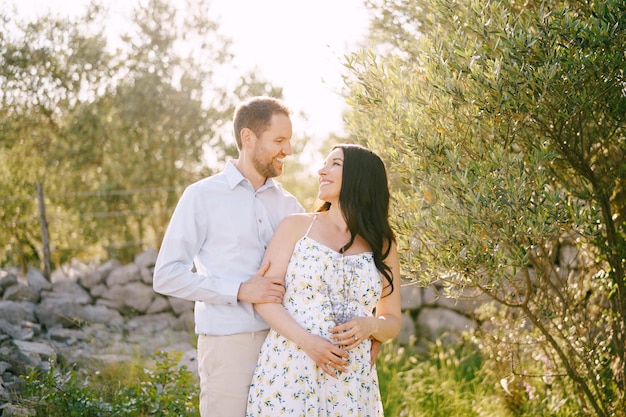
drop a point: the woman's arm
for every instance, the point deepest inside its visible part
(388, 321)
(389, 308)
(327, 355)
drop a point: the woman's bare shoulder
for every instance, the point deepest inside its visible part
(292, 228)
(296, 224)
(298, 219)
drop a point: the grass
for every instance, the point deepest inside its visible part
(445, 380)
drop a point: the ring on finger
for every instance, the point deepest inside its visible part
(356, 338)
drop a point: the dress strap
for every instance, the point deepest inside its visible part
(311, 225)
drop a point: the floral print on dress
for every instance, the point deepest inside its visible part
(321, 285)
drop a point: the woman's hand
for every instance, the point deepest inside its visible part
(353, 332)
(328, 356)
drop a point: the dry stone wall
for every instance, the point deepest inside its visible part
(109, 313)
(87, 315)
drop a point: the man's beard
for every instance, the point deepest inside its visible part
(268, 170)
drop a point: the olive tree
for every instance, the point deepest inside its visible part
(503, 125)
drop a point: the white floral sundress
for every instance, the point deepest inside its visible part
(322, 285)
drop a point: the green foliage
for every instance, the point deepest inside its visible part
(113, 127)
(503, 128)
(445, 381)
(454, 379)
(166, 390)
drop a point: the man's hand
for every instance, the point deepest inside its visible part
(374, 351)
(261, 289)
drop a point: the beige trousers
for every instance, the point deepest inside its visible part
(225, 366)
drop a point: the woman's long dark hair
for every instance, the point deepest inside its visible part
(364, 201)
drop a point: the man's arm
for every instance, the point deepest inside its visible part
(174, 273)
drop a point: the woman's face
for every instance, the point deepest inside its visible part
(330, 176)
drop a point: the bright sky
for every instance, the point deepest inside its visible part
(295, 44)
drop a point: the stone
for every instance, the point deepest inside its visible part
(434, 322)
(113, 304)
(73, 272)
(151, 324)
(98, 276)
(123, 275)
(159, 305)
(569, 257)
(35, 354)
(43, 349)
(6, 280)
(69, 289)
(411, 295)
(179, 305)
(407, 330)
(67, 336)
(24, 331)
(21, 292)
(36, 280)
(12, 330)
(99, 290)
(103, 315)
(146, 259)
(186, 321)
(61, 311)
(134, 297)
(147, 275)
(16, 312)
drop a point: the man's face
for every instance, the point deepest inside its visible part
(272, 146)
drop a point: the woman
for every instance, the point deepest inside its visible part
(340, 264)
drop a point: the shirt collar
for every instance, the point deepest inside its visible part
(234, 177)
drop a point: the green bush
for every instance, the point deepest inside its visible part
(124, 390)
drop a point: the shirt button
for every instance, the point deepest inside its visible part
(260, 221)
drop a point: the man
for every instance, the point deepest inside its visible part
(213, 247)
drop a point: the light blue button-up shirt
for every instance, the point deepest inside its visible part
(221, 226)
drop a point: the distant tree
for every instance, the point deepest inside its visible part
(504, 128)
(113, 126)
(43, 72)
